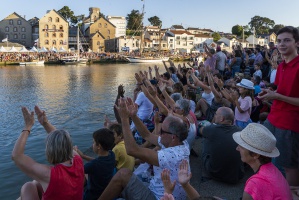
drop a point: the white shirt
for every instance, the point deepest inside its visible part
(145, 107)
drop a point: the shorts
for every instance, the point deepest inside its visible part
(287, 142)
(136, 190)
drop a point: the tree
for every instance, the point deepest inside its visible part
(276, 28)
(237, 30)
(155, 21)
(69, 15)
(134, 20)
(262, 25)
(216, 36)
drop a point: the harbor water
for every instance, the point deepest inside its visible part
(75, 98)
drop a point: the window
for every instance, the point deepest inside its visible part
(6, 29)
(108, 31)
(10, 22)
(15, 36)
(54, 42)
(61, 35)
(15, 29)
(107, 44)
(50, 19)
(23, 36)
(46, 34)
(61, 27)
(100, 25)
(98, 43)
(54, 27)
(57, 19)
(60, 42)
(54, 35)
(23, 42)
(19, 22)
(7, 36)
(105, 25)
(46, 41)
(23, 29)
(46, 26)
(133, 45)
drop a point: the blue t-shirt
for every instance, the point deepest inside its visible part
(100, 172)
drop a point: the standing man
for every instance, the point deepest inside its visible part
(220, 158)
(220, 60)
(283, 118)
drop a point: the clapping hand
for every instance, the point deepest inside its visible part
(28, 118)
(267, 95)
(183, 175)
(41, 115)
(168, 185)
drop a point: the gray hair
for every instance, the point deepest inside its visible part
(59, 147)
(176, 96)
(177, 127)
(184, 104)
(227, 114)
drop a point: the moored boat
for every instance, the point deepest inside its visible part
(146, 59)
(33, 62)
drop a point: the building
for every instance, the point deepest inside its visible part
(123, 44)
(53, 31)
(120, 24)
(180, 40)
(35, 30)
(200, 39)
(16, 29)
(154, 35)
(98, 29)
(268, 37)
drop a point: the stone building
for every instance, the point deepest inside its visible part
(16, 29)
(53, 31)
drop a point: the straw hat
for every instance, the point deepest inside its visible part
(247, 84)
(258, 139)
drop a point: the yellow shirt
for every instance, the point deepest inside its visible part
(123, 160)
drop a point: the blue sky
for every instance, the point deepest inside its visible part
(218, 15)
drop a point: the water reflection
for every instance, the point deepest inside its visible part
(75, 98)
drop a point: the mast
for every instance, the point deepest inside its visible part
(78, 49)
(142, 31)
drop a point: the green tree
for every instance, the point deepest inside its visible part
(216, 36)
(262, 25)
(69, 15)
(134, 20)
(155, 21)
(276, 28)
(237, 30)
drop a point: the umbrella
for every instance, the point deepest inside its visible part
(33, 49)
(23, 49)
(13, 49)
(43, 49)
(2, 49)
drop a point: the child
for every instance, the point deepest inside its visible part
(243, 104)
(123, 160)
(100, 170)
(258, 71)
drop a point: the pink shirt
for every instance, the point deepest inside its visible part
(268, 184)
(246, 105)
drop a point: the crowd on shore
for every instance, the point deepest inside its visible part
(243, 105)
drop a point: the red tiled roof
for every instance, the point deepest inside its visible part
(180, 32)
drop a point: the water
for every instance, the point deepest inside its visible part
(75, 98)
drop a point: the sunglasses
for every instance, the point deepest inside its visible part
(162, 132)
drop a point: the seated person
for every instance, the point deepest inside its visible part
(219, 156)
(100, 170)
(257, 147)
(63, 180)
(174, 149)
(123, 160)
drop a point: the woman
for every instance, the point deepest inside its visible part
(236, 62)
(257, 146)
(65, 179)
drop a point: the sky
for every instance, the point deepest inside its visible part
(218, 15)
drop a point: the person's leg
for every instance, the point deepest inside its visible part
(117, 184)
(31, 191)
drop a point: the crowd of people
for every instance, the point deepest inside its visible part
(244, 106)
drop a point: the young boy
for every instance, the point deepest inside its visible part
(258, 71)
(100, 170)
(283, 118)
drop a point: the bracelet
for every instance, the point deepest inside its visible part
(26, 130)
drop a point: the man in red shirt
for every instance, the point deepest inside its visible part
(283, 119)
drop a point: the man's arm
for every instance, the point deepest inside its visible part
(269, 95)
(120, 93)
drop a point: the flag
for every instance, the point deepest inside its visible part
(5, 40)
(36, 40)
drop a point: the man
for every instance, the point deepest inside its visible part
(220, 158)
(283, 118)
(174, 149)
(220, 60)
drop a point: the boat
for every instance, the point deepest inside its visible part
(142, 58)
(33, 62)
(73, 60)
(146, 59)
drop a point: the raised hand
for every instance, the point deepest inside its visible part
(168, 185)
(152, 90)
(183, 175)
(132, 107)
(156, 68)
(41, 115)
(120, 90)
(146, 75)
(75, 148)
(162, 86)
(138, 78)
(157, 118)
(122, 109)
(28, 118)
(150, 69)
(107, 121)
(220, 83)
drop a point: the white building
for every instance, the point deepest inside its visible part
(180, 40)
(120, 23)
(199, 39)
(123, 44)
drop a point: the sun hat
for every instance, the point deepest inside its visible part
(245, 83)
(258, 139)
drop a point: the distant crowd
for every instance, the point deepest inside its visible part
(244, 106)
